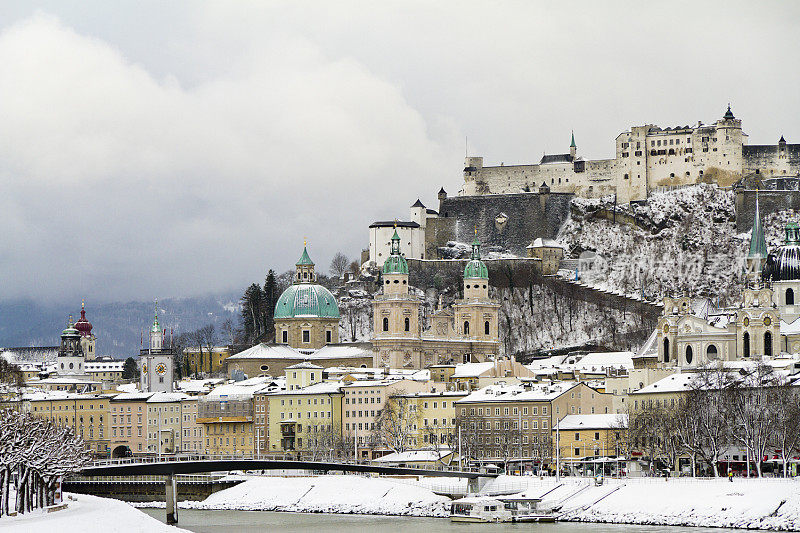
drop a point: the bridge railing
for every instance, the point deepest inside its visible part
(302, 462)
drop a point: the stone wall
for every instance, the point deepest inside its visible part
(510, 221)
(768, 202)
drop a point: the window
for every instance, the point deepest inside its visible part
(486, 327)
(746, 344)
(666, 350)
(711, 352)
(768, 344)
(577, 436)
(689, 355)
(407, 324)
(328, 336)
(285, 336)
(385, 324)
(789, 297)
(466, 327)
(306, 335)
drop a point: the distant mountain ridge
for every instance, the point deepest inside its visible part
(119, 326)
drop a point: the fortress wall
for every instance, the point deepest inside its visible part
(530, 215)
(770, 161)
(768, 202)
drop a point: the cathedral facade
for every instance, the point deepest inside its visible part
(762, 325)
(466, 332)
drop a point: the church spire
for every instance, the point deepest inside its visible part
(572, 144)
(758, 244)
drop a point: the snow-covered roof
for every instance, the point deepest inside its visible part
(472, 370)
(325, 387)
(501, 392)
(304, 365)
(790, 328)
(411, 456)
(342, 351)
(167, 397)
(198, 385)
(132, 396)
(127, 387)
(601, 360)
(677, 382)
(268, 351)
(548, 362)
(597, 421)
(541, 243)
(241, 390)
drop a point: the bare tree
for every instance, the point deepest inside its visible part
(785, 406)
(228, 331)
(396, 422)
(339, 264)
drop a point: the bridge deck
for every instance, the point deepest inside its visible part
(196, 465)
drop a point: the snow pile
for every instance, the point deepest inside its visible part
(89, 514)
(327, 494)
(751, 504)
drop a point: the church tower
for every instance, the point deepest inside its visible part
(156, 362)
(757, 254)
(88, 339)
(477, 315)
(71, 359)
(573, 148)
(397, 329)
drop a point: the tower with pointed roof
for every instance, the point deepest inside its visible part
(71, 360)
(573, 148)
(88, 339)
(757, 252)
(156, 362)
(396, 314)
(306, 314)
(476, 314)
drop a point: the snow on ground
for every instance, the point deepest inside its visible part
(88, 514)
(327, 494)
(751, 504)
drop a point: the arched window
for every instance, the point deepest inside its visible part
(666, 350)
(689, 355)
(486, 327)
(385, 324)
(466, 327)
(789, 297)
(711, 352)
(746, 344)
(408, 324)
(768, 344)
(305, 275)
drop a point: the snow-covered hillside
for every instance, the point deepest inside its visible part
(684, 242)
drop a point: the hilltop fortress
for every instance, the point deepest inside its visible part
(647, 157)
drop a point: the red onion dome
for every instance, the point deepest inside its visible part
(83, 325)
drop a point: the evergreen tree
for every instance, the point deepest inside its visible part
(271, 295)
(129, 369)
(252, 312)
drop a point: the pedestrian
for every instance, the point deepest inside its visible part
(730, 475)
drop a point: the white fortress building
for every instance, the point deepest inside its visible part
(647, 157)
(411, 233)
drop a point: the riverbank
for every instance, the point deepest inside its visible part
(772, 504)
(88, 514)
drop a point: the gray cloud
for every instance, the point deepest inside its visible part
(148, 152)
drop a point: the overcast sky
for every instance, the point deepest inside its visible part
(156, 149)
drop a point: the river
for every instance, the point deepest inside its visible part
(266, 521)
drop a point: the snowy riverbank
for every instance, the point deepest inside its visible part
(755, 504)
(88, 514)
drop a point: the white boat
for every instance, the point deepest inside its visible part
(527, 509)
(479, 509)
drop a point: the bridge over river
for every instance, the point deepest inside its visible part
(195, 464)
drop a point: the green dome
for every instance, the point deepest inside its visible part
(70, 331)
(395, 264)
(306, 300)
(476, 269)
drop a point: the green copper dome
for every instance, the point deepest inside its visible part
(395, 263)
(306, 300)
(70, 331)
(476, 268)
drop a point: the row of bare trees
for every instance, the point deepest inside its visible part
(34, 454)
(755, 411)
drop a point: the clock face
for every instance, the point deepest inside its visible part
(161, 368)
(767, 321)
